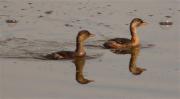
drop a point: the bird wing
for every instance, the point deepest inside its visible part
(121, 40)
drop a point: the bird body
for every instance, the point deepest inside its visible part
(118, 43)
(79, 51)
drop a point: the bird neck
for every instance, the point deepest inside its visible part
(134, 37)
(80, 51)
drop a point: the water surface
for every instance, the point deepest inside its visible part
(22, 77)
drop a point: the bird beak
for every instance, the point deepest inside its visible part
(144, 69)
(144, 23)
(92, 35)
(91, 81)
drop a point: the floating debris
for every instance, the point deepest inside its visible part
(49, 12)
(166, 23)
(68, 25)
(11, 21)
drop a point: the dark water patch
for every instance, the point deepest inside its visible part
(30, 3)
(78, 20)
(64, 13)
(108, 5)
(21, 16)
(105, 25)
(75, 20)
(82, 8)
(168, 16)
(151, 15)
(48, 12)
(99, 12)
(169, 9)
(23, 9)
(147, 45)
(68, 25)
(130, 12)
(40, 16)
(5, 6)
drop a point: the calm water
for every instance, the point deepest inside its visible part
(22, 77)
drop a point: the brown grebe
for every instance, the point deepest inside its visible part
(117, 43)
(79, 51)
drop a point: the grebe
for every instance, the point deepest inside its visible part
(79, 52)
(117, 43)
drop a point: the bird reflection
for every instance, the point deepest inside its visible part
(79, 63)
(133, 68)
(134, 51)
